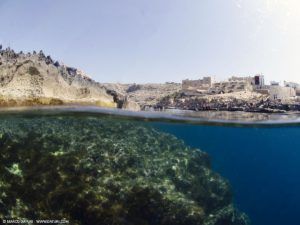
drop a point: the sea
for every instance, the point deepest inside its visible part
(47, 172)
(261, 163)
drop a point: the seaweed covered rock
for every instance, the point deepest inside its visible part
(102, 171)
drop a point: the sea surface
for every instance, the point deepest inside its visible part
(257, 154)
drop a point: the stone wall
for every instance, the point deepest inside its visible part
(206, 85)
(201, 84)
(231, 86)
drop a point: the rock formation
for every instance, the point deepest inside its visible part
(243, 101)
(33, 78)
(144, 95)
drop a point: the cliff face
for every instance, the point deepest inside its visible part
(144, 94)
(27, 79)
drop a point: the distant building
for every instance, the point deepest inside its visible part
(278, 93)
(274, 83)
(296, 86)
(238, 84)
(230, 86)
(206, 85)
(291, 84)
(259, 85)
(197, 85)
(248, 79)
(234, 84)
(259, 81)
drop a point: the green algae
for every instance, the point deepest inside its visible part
(103, 171)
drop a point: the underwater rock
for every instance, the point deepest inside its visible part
(103, 171)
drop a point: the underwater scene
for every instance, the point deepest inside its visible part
(88, 168)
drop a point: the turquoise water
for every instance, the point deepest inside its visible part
(87, 167)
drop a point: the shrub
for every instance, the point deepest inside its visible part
(33, 71)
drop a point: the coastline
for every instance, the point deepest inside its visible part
(176, 116)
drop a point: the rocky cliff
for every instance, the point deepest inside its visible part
(34, 79)
(143, 95)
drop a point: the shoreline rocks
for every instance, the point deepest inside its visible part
(251, 103)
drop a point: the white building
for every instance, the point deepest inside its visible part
(278, 93)
(296, 86)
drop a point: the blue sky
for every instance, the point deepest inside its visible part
(159, 40)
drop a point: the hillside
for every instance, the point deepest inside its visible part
(144, 94)
(34, 79)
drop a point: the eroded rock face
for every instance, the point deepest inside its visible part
(144, 95)
(130, 105)
(26, 78)
(104, 171)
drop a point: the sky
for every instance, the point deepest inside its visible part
(145, 41)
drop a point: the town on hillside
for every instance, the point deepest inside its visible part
(250, 94)
(276, 92)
